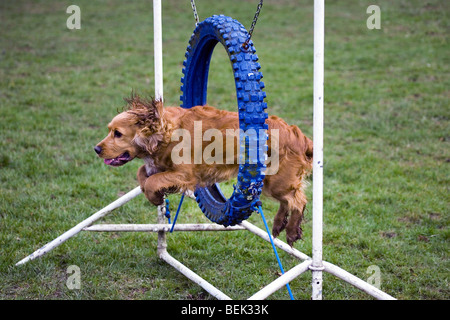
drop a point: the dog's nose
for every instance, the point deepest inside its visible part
(98, 149)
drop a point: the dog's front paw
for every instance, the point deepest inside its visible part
(155, 197)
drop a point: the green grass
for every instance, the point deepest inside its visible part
(386, 146)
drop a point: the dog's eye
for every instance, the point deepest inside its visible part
(117, 134)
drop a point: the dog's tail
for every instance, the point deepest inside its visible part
(308, 148)
(304, 146)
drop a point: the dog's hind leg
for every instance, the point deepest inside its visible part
(281, 219)
(297, 203)
(293, 228)
(289, 217)
(292, 205)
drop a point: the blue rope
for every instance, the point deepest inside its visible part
(274, 249)
(178, 211)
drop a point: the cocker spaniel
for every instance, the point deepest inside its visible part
(173, 162)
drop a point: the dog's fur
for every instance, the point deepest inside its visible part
(145, 129)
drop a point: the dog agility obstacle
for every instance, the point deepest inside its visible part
(210, 199)
(232, 35)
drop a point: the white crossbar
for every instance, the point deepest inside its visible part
(160, 227)
(193, 276)
(79, 227)
(356, 282)
(281, 281)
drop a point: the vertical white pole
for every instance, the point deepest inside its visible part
(157, 38)
(157, 48)
(319, 34)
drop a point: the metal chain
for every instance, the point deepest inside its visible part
(194, 8)
(252, 27)
(258, 10)
(255, 19)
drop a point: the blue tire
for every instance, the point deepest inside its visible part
(252, 116)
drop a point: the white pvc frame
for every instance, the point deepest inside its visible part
(315, 264)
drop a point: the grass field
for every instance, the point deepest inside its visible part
(387, 155)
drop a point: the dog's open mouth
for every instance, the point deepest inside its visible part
(120, 160)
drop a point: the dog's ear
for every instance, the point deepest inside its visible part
(148, 141)
(148, 112)
(149, 119)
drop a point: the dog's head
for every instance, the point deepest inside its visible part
(133, 133)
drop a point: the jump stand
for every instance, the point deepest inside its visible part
(315, 264)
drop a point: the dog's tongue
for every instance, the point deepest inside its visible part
(108, 161)
(120, 160)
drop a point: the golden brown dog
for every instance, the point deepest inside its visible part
(151, 132)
